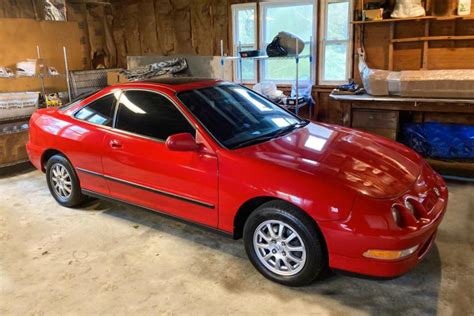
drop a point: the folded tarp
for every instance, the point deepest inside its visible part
(440, 140)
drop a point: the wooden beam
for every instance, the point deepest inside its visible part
(433, 38)
(419, 18)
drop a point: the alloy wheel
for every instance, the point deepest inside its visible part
(279, 247)
(61, 181)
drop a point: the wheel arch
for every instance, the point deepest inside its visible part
(251, 205)
(47, 154)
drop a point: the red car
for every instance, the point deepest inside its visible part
(304, 196)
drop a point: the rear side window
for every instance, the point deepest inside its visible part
(150, 114)
(98, 112)
(77, 100)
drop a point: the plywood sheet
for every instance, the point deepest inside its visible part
(453, 58)
(19, 38)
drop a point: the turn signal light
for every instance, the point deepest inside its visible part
(389, 254)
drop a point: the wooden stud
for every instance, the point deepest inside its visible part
(390, 46)
(426, 44)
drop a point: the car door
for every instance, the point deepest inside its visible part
(84, 140)
(140, 169)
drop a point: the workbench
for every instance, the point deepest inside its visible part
(381, 115)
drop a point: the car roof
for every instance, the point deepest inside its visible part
(175, 83)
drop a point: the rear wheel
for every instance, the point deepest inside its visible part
(284, 245)
(63, 182)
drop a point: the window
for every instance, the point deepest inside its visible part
(150, 114)
(296, 17)
(245, 38)
(235, 115)
(99, 112)
(293, 17)
(335, 66)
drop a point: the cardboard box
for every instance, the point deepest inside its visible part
(114, 77)
(373, 15)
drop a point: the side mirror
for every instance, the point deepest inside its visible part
(182, 142)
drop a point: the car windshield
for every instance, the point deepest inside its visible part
(236, 116)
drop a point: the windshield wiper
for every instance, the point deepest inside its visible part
(289, 128)
(256, 140)
(277, 133)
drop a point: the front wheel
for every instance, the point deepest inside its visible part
(284, 245)
(63, 182)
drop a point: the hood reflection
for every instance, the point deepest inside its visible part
(366, 164)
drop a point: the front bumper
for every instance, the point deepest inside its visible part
(380, 268)
(347, 241)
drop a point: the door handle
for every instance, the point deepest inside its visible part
(115, 144)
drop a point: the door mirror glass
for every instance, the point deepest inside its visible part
(182, 142)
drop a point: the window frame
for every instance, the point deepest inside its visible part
(117, 104)
(119, 92)
(283, 3)
(323, 42)
(235, 8)
(259, 65)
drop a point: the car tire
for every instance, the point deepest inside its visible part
(63, 182)
(294, 253)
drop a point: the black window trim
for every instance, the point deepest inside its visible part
(144, 136)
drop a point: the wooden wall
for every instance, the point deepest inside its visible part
(140, 27)
(169, 27)
(50, 36)
(91, 19)
(445, 54)
(18, 9)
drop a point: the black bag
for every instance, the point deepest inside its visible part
(274, 48)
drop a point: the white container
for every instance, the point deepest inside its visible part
(26, 68)
(464, 7)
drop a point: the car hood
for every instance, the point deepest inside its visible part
(372, 165)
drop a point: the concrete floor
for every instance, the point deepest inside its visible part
(112, 259)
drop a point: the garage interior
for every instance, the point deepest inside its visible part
(109, 258)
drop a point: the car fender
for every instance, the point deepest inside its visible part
(321, 199)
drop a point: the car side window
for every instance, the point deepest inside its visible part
(150, 114)
(99, 112)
